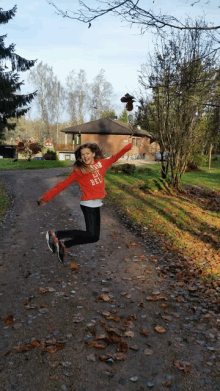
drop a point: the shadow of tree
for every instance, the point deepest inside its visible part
(171, 209)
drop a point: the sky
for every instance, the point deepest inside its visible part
(65, 44)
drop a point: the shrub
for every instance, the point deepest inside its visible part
(124, 168)
(50, 155)
(216, 159)
(196, 162)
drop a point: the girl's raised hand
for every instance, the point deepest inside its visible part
(41, 201)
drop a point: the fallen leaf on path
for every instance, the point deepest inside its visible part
(119, 357)
(100, 337)
(74, 266)
(116, 319)
(126, 294)
(129, 334)
(105, 357)
(156, 297)
(210, 292)
(97, 345)
(55, 348)
(128, 324)
(155, 291)
(36, 343)
(104, 298)
(105, 313)
(24, 348)
(131, 244)
(180, 283)
(9, 320)
(30, 306)
(110, 371)
(180, 299)
(112, 330)
(166, 318)
(159, 329)
(77, 319)
(113, 339)
(134, 347)
(123, 347)
(192, 288)
(148, 352)
(46, 290)
(183, 366)
(145, 333)
(91, 357)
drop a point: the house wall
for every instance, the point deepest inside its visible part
(113, 143)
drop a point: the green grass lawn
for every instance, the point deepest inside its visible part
(22, 164)
(187, 223)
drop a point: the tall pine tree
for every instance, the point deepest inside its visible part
(12, 104)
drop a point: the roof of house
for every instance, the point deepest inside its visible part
(107, 126)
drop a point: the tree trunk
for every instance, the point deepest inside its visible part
(210, 155)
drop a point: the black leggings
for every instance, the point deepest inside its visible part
(92, 233)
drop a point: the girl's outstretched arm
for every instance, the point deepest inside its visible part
(57, 189)
(117, 156)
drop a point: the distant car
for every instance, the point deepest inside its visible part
(38, 158)
(158, 157)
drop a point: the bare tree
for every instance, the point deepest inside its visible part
(42, 77)
(77, 95)
(50, 99)
(70, 96)
(181, 77)
(101, 96)
(57, 104)
(130, 11)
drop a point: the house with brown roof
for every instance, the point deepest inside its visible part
(111, 135)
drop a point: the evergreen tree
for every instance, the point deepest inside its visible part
(124, 116)
(12, 104)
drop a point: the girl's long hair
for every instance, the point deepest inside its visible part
(99, 154)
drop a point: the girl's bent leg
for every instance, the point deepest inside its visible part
(92, 233)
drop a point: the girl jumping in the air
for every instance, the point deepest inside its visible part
(89, 170)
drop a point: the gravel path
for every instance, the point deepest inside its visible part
(115, 316)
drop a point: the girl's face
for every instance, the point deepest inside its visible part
(87, 155)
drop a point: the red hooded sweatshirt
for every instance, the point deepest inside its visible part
(91, 183)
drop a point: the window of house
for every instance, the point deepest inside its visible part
(67, 157)
(77, 139)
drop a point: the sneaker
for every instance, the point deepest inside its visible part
(61, 250)
(51, 240)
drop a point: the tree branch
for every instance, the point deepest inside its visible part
(130, 12)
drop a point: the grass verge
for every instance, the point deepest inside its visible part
(22, 164)
(187, 224)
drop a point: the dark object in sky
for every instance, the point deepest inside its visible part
(129, 100)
